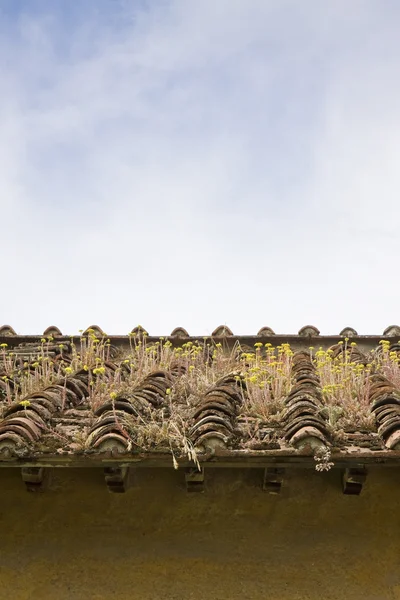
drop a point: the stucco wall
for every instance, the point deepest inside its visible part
(158, 542)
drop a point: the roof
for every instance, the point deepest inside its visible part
(259, 400)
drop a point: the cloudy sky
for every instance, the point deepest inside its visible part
(197, 163)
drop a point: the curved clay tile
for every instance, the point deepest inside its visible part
(348, 332)
(222, 331)
(139, 332)
(215, 417)
(304, 426)
(240, 349)
(308, 331)
(7, 330)
(107, 432)
(265, 332)
(354, 353)
(94, 329)
(25, 421)
(179, 332)
(395, 347)
(385, 399)
(52, 331)
(392, 331)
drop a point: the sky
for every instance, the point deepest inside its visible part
(178, 163)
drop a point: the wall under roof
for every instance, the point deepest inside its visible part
(77, 541)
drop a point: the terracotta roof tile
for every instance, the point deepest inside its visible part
(349, 332)
(265, 332)
(392, 330)
(6, 330)
(304, 425)
(186, 397)
(222, 331)
(179, 332)
(309, 331)
(52, 331)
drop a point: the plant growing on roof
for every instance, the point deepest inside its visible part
(264, 373)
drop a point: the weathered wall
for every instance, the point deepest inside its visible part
(78, 541)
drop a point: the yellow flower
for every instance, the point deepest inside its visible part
(68, 370)
(168, 391)
(99, 371)
(25, 403)
(3, 345)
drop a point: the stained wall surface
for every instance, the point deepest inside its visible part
(156, 542)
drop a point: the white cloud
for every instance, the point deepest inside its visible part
(201, 163)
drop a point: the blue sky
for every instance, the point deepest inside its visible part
(199, 163)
